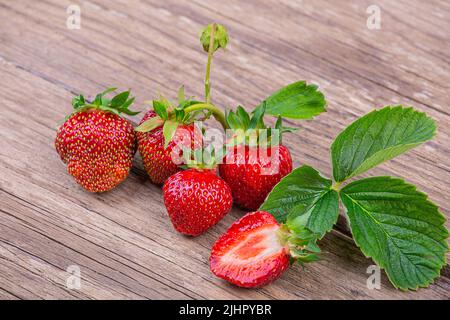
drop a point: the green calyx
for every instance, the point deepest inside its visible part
(118, 104)
(203, 158)
(301, 244)
(251, 129)
(185, 112)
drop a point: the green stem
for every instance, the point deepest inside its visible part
(208, 64)
(217, 113)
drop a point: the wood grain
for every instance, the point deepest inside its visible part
(122, 240)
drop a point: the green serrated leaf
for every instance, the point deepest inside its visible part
(377, 137)
(399, 228)
(120, 99)
(319, 216)
(304, 198)
(297, 100)
(161, 109)
(169, 130)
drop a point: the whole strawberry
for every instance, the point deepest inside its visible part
(96, 143)
(252, 172)
(256, 250)
(256, 160)
(196, 199)
(157, 158)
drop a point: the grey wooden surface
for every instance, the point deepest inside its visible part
(122, 240)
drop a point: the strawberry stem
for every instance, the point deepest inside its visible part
(217, 113)
(208, 65)
(336, 186)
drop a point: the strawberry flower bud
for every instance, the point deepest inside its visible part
(220, 37)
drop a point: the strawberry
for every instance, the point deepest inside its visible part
(256, 250)
(156, 158)
(96, 143)
(196, 199)
(255, 160)
(251, 175)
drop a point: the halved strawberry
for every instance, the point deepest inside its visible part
(256, 250)
(250, 253)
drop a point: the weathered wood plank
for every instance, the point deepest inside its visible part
(122, 240)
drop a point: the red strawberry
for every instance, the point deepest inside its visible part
(96, 143)
(256, 250)
(251, 174)
(157, 158)
(196, 200)
(249, 254)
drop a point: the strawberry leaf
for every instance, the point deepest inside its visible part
(399, 228)
(377, 137)
(297, 100)
(304, 199)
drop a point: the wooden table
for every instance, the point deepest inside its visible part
(122, 241)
